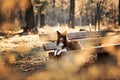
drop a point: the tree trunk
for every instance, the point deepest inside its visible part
(54, 3)
(1, 19)
(42, 20)
(99, 15)
(113, 13)
(92, 17)
(96, 17)
(119, 13)
(36, 19)
(87, 18)
(71, 14)
(29, 18)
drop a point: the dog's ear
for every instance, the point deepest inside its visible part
(65, 33)
(58, 33)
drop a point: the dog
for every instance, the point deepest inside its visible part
(61, 43)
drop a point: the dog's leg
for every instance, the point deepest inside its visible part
(56, 52)
(63, 50)
(59, 52)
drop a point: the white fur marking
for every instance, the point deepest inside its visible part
(59, 49)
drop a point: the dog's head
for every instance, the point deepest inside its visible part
(61, 37)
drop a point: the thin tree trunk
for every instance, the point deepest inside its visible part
(96, 17)
(114, 11)
(71, 14)
(63, 11)
(87, 18)
(99, 15)
(42, 19)
(54, 1)
(29, 18)
(42, 14)
(99, 18)
(36, 19)
(119, 14)
(92, 16)
(1, 19)
(80, 18)
(114, 20)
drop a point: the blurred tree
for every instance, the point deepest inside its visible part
(71, 14)
(29, 18)
(63, 9)
(41, 12)
(54, 3)
(8, 15)
(114, 14)
(95, 12)
(21, 18)
(119, 13)
(1, 19)
(99, 6)
(0, 14)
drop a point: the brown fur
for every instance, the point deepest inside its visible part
(70, 45)
(63, 36)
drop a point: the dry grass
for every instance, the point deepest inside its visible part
(69, 67)
(22, 48)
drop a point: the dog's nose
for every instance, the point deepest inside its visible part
(61, 39)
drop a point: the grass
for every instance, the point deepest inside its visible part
(31, 56)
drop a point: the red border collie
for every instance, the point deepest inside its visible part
(61, 43)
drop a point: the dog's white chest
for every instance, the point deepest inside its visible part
(60, 46)
(59, 49)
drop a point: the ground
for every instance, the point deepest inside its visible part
(22, 58)
(24, 53)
